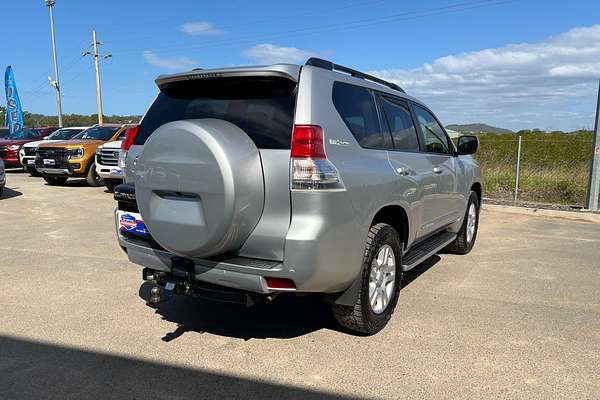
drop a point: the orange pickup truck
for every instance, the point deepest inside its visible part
(75, 158)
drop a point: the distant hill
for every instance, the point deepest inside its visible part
(478, 128)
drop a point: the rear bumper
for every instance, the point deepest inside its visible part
(315, 260)
(237, 272)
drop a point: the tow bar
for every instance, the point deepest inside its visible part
(167, 285)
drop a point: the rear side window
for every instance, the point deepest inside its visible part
(400, 122)
(263, 107)
(356, 106)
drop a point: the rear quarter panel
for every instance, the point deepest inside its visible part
(328, 230)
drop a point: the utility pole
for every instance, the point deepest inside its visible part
(55, 83)
(94, 53)
(594, 183)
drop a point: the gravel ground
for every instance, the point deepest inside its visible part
(519, 317)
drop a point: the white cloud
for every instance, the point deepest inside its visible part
(272, 54)
(175, 63)
(530, 84)
(200, 28)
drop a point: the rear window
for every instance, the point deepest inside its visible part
(263, 107)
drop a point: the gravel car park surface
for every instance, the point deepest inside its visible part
(519, 317)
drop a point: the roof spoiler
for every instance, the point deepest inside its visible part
(325, 64)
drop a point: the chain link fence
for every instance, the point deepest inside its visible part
(552, 168)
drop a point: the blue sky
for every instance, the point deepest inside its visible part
(516, 64)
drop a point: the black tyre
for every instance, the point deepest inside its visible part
(380, 283)
(92, 177)
(55, 180)
(468, 232)
(33, 171)
(111, 184)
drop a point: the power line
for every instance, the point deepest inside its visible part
(257, 22)
(453, 8)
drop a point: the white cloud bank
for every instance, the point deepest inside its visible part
(272, 54)
(549, 84)
(200, 28)
(175, 63)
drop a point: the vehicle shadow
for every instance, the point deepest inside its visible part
(36, 370)
(9, 193)
(71, 183)
(419, 270)
(286, 317)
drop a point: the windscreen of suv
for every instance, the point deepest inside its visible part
(97, 133)
(263, 107)
(24, 134)
(64, 134)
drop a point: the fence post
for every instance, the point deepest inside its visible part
(594, 183)
(518, 169)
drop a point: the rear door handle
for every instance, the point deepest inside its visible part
(437, 170)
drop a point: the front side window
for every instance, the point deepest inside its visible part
(400, 122)
(356, 106)
(435, 140)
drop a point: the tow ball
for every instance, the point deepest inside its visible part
(159, 294)
(162, 290)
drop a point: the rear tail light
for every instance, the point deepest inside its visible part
(280, 283)
(311, 170)
(130, 135)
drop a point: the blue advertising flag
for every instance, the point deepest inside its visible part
(14, 112)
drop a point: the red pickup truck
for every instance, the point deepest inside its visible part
(10, 146)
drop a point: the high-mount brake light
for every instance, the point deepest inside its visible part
(311, 170)
(130, 135)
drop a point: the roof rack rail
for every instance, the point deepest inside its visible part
(320, 63)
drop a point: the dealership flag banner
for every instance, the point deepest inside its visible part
(14, 112)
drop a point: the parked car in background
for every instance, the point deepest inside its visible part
(107, 161)
(10, 146)
(4, 132)
(2, 178)
(28, 150)
(245, 183)
(75, 158)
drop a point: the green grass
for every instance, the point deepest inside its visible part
(554, 167)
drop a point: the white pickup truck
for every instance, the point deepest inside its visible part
(107, 164)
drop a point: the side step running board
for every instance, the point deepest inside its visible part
(426, 249)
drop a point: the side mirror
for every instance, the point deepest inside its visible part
(467, 145)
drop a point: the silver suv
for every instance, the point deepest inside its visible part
(244, 183)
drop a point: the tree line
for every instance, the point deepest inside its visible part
(38, 120)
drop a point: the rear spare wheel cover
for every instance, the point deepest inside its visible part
(199, 186)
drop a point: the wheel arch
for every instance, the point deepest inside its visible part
(397, 217)
(394, 215)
